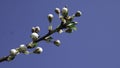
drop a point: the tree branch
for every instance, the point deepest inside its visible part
(5, 58)
(67, 24)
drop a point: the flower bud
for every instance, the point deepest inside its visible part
(65, 11)
(50, 17)
(13, 52)
(37, 29)
(78, 13)
(34, 36)
(62, 19)
(22, 48)
(33, 29)
(60, 31)
(38, 50)
(26, 52)
(70, 18)
(57, 10)
(57, 42)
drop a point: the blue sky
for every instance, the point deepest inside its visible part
(94, 45)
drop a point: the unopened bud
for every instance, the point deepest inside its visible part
(26, 52)
(33, 29)
(34, 36)
(70, 18)
(37, 29)
(13, 52)
(57, 10)
(22, 48)
(63, 20)
(65, 11)
(38, 50)
(57, 42)
(60, 31)
(50, 17)
(78, 13)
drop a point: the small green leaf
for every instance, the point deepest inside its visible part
(71, 25)
(74, 28)
(75, 23)
(35, 44)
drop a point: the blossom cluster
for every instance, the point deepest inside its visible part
(67, 21)
(67, 25)
(24, 48)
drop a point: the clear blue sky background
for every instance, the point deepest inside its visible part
(96, 43)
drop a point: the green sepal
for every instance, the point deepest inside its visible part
(35, 44)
